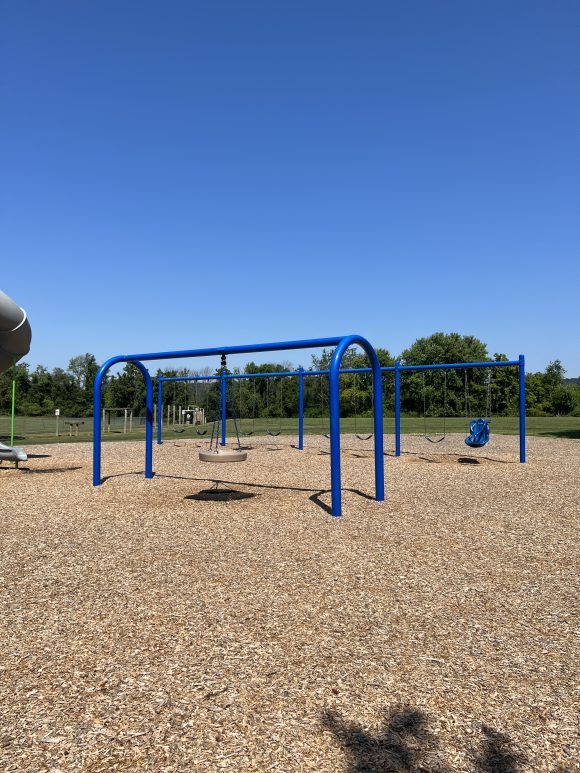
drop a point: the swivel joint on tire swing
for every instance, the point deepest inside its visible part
(217, 453)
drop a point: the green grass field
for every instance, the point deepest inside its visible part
(39, 429)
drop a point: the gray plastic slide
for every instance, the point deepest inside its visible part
(15, 337)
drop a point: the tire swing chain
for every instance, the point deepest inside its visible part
(223, 454)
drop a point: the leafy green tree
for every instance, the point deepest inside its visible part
(445, 347)
(562, 400)
(127, 390)
(504, 389)
(64, 393)
(536, 398)
(424, 392)
(576, 393)
(353, 358)
(83, 369)
(554, 375)
(356, 391)
(548, 393)
(22, 378)
(38, 399)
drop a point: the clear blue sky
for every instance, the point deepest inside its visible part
(196, 173)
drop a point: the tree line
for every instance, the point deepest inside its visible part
(432, 393)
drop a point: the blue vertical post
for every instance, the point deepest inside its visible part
(159, 408)
(522, 375)
(335, 475)
(301, 408)
(377, 423)
(97, 429)
(224, 406)
(148, 422)
(397, 408)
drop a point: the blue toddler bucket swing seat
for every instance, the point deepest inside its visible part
(479, 429)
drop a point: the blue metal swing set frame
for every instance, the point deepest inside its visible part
(342, 343)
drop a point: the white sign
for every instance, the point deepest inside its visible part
(57, 412)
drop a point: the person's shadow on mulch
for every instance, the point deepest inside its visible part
(405, 745)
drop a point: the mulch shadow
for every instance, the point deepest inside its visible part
(220, 495)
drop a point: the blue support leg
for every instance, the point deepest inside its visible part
(97, 429)
(224, 407)
(522, 401)
(301, 409)
(335, 473)
(397, 409)
(148, 425)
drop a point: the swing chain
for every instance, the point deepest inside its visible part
(444, 433)
(356, 432)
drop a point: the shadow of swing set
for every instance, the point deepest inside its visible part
(218, 450)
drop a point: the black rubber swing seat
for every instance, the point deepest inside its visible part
(178, 431)
(434, 439)
(201, 432)
(364, 437)
(273, 434)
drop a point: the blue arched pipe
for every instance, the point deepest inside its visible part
(97, 417)
(334, 404)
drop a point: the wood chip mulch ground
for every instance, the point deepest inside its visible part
(218, 618)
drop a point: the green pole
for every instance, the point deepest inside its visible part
(13, 401)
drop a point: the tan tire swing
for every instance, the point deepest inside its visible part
(215, 452)
(223, 455)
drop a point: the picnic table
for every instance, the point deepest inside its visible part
(73, 425)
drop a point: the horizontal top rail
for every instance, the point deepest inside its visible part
(233, 376)
(276, 346)
(386, 369)
(459, 365)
